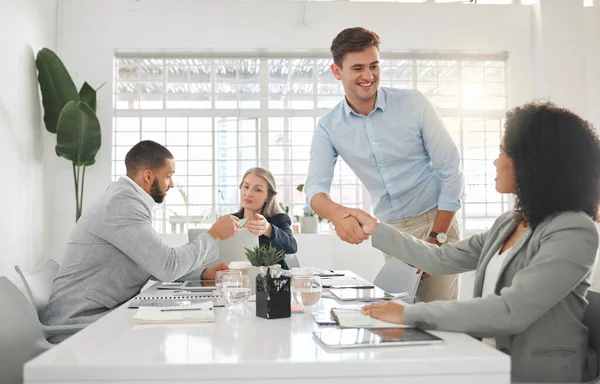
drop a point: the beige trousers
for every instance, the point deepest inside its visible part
(436, 287)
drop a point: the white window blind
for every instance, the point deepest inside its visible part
(221, 116)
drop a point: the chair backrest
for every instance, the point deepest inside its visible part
(231, 249)
(20, 333)
(591, 319)
(292, 261)
(398, 277)
(38, 282)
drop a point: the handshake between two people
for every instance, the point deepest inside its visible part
(353, 225)
(228, 225)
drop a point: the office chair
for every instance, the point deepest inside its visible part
(398, 277)
(20, 331)
(38, 285)
(38, 282)
(292, 260)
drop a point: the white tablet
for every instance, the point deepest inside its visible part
(374, 337)
(364, 294)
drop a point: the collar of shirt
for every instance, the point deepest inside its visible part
(147, 198)
(379, 103)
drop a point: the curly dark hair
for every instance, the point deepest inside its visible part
(556, 157)
(352, 40)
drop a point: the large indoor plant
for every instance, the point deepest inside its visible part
(71, 114)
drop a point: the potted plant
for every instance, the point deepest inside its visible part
(261, 257)
(71, 115)
(309, 223)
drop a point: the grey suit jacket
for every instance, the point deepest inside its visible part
(537, 310)
(112, 252)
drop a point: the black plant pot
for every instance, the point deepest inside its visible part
(273, 300)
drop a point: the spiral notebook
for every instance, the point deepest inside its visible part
(171, 300)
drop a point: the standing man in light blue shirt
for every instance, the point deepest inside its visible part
(396, 143)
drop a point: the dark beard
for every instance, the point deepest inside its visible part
(156, 193)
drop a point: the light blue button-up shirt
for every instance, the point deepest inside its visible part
(401, 152)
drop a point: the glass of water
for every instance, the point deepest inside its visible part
(236, 289)
(219, 278)
(306, 290)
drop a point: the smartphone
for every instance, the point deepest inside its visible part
(323, 318)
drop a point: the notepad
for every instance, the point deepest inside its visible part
(353, 318)
(197, 313)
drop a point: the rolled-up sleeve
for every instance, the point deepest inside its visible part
(445, 158)
(323, 157)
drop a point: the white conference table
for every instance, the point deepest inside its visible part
(242, 348)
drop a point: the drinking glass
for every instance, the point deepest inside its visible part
(236, 289)
(306, 290)
(219, 278)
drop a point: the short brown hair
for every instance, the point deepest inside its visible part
(352, 40)
(146, 154)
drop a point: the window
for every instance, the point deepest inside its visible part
(221, 116)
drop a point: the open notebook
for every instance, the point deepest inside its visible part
(196, 313)
(171, 299)
(353, 318)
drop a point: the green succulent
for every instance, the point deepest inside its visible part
(264, 255)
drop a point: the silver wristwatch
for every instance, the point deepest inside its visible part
(440, 237)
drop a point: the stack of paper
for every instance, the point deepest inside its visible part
(196, 313)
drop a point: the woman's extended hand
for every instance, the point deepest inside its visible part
(259, 226)
(385, 311)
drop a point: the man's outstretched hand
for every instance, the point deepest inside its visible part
(367, 222)
(347, 227)
(211, 272)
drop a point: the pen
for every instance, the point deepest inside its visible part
(186, 309)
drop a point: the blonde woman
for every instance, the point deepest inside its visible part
(264, 217)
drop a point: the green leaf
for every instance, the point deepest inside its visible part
(78, 136)
(56, 85)
(88, 94)
(264, 255)
(300, 188)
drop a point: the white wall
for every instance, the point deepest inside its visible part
(25, 27)
(592, 35)
(561, 48)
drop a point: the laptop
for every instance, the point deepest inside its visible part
(232, 249)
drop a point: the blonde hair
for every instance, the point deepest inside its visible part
(271, 207)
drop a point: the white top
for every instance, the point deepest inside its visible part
(242, 348)
(492, 272)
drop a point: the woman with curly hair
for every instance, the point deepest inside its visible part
(533, 265)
